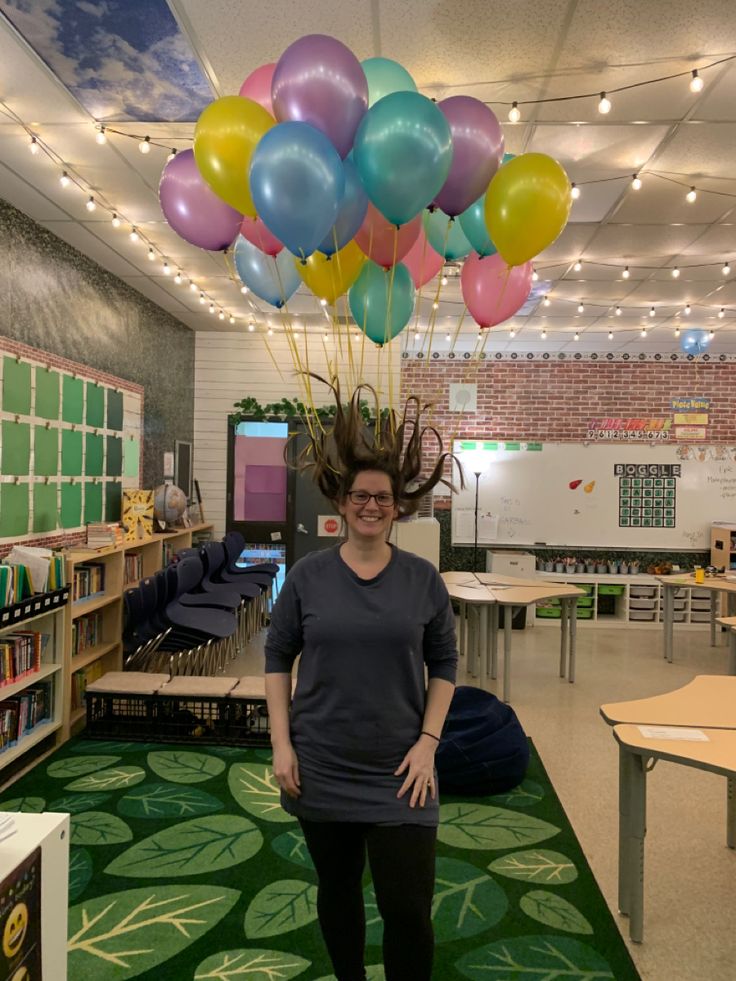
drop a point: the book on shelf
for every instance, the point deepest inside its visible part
(88, 580)
(20, 714)
(137, 514)
(82, 678)
(103, 534)
(20, 655)
(86, 633)
(133, 567)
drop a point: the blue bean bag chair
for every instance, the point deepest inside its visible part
(483, 749)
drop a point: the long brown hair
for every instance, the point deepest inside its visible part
(335, 455)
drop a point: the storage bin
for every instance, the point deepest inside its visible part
(635, 603)
(585, 613)
(587, 587)
(549, 612)
(584, 601)
(610, 589)
(642, 614)
(700, 594)
(699, 616)
(677, 617)
(641, 591)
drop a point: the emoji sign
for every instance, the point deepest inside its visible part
(14, 933)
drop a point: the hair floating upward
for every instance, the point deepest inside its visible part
(333, 456)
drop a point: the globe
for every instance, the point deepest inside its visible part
(169, 503)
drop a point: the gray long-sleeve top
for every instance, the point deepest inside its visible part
(360, 694)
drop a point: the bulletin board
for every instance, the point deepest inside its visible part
(69, 444)
(598, 495)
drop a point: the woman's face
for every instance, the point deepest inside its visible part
(369, 506)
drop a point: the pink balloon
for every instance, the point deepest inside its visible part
(256, 232)
(422, 261)
(383, 242)
(492, 291)
(257, 86)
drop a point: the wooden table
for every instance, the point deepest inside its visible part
(481, 594)
(707, 703)
(730, 622)
(714, 584)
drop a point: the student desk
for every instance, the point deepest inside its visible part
(730, 622)
(481, 594)
(670, 584)
(708, 703)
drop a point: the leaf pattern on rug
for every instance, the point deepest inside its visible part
(115, 779)
(481, 826)
(280, 907)
(270, 965)
(537, 958)
(255, 789)
(77, 766)
(24, 805)
(536, 865)
(99, 828)
(554, 911)
(162, 800)
(181, 766)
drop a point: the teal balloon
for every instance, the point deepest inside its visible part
(378, 318)
(445, 236)
(507, 157)
(473, 223)
(403, 152)
(384, 77)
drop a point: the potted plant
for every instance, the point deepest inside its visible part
(634, 567)
(623, 567)
(613, 566)
(601, 567)
(590, 566)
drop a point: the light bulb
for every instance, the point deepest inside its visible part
(323, 302)
(546, 301)
(64, 180)
(535, 275)
(251, 327)
(578, 266)
(134, 236)
(243, 290)
(677, 331)
(577, 336)
(177, 278)
(543, 335)
(115, 221)
(618, 311)
(514, 114)
(145, 145)
(270, 332)
(444, 280)
(726, 269)
(232, 319)
(221, 315)
(193, 287)
(435, 305)
(201, 298)
(417, 336)
(604, 105)
(212, 308)
(652, 312)
(167, 269)
(172, 154)
(636, 182)
(687, 310)
(33, 146)
(696, 82)
(581, 307)
(626, 273)
(711, 334)
(101, 137)
(675, 273)
(512, 333)
(448, 338)
(691, 195)
(610, 335)
(151, 254)
(643, 332)
(574, 191)
(91, 204)
(721, 313)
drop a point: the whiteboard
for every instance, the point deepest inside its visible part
(596, 495)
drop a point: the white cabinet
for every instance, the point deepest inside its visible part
(519, 564)
(420, 536)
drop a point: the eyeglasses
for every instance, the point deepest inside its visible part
(383, 500)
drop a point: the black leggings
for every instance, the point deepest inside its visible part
(402, 865)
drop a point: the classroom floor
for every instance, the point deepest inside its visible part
(690, 875)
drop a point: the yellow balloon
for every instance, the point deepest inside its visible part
(330, 277)
(527, 206)
(226, 134)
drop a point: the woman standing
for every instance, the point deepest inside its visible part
(355, 756)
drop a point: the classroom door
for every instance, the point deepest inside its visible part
(309, 507)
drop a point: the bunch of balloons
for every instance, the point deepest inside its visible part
(339, 174)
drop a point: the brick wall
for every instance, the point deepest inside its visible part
(555, 402)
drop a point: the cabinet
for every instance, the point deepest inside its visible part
(723, 545)
(628, 601)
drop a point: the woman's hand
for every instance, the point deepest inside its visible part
(419, 764)
(286, 769)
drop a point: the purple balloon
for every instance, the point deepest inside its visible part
(318, 80)
(477, 152)
(193, 209)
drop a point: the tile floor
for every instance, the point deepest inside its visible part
(690, 881)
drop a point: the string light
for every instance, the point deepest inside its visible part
(543, 335)
(212, 307)
(610, 335)
(691, 195)
(201, 298)
(251, 326)
(243, 289)
(581, 307)
(145, 145)
(618, 311)
(323, 302)
(151, 254)
(512, 333)
(448, 338)
(696, 82)
(721, 313)
(33, 146)
(134, 236)
(578, 266)
(416, 336)
(675, 273)
(232, 319)
(711, 334)
(193, 286)
(535, 275)
(91, 204)
(687, 310)
(677, 331)
(177, 278)
(604, 105)
(171, 155)
(577, 336)
(636, 182)
(643, 332)
(652, 312)
(64, 180)
(444, 280)
(115, 221)
(546, 301)
(574, 191)
(221, 315)
(514, 114)
(435, 305)
(626, 273)
(270, 331)
(167, 269)
(101, 136)
(726, 269)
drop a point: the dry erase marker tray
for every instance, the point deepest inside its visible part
(31, 607)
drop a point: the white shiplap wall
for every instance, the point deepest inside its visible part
(230, 366)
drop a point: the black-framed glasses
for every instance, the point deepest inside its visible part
(383, 500)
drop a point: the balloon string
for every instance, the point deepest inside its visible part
(421, 282)
(435, 301)
(388, 339)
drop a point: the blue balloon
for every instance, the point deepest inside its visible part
(297, 183)
(352, 211)
(694, 341)
(444, 235)
(507, 157)
(403, 152)
(379, 319)
(273, 279)
(473, 223)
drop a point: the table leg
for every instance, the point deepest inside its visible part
(731, 812)
(463, 632)
(563, 648)
(508, 615)
(494, 641)
(573, 638)
(713, 614)
(638, 831)
(669, 611)
(732, 651)
(483, 656)
(624, 830)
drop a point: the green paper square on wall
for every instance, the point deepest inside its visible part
(72, 399)
(16, 455)
(45, 451)
(131, 457)
(114, 409)
(113, 501)
(45, 507)
(16, 386)
(92, 502)
(93, 455)
(95, 405)
(71, 505)
(13, 510)
(114, 457)
(71, 453)
(47, 393)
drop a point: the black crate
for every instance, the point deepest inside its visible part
(249, 722)
(192, 719)
(115, 715)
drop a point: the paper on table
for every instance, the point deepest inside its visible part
(674, 732)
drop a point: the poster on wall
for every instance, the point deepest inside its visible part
(647, 494)
(20, 921)
(328, 526)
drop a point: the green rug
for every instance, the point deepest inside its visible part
(184, 866)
